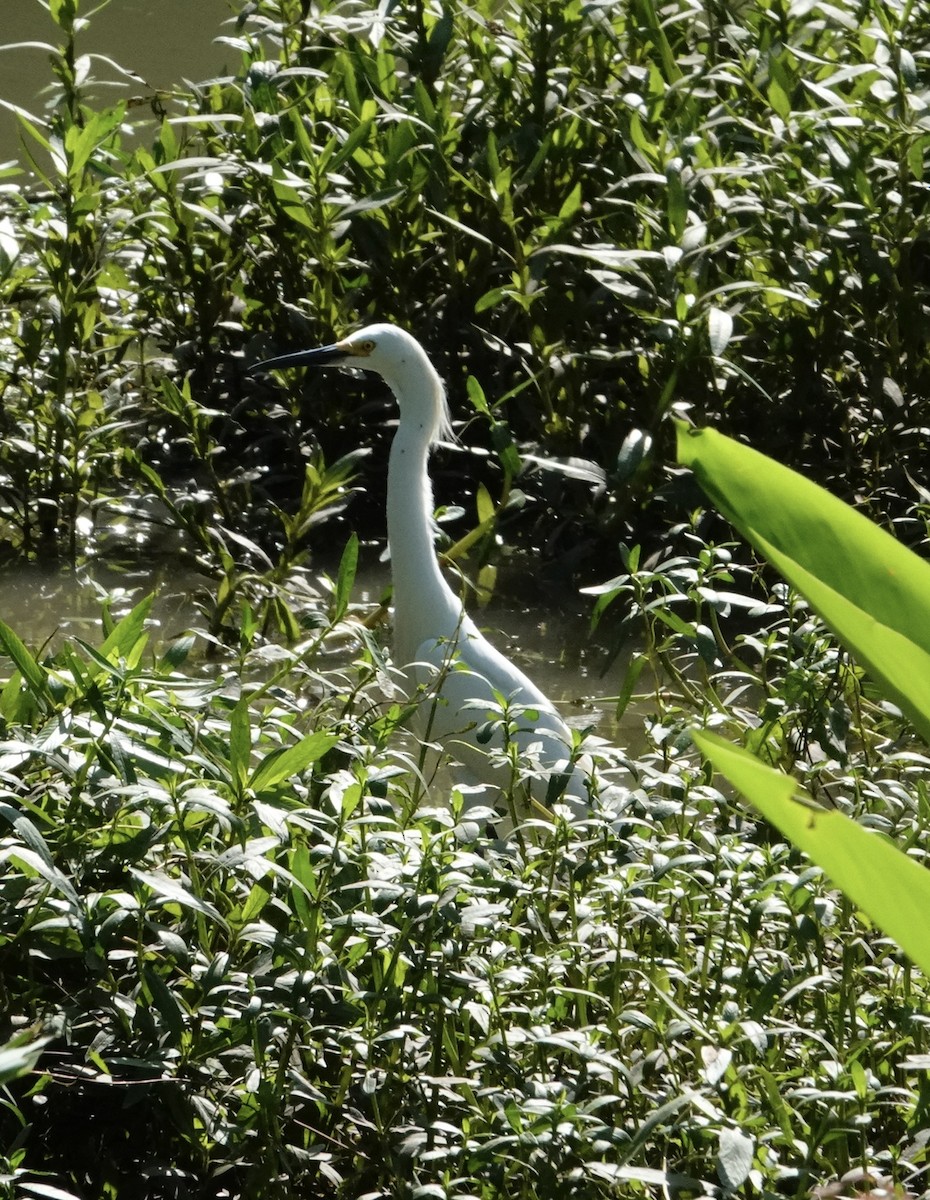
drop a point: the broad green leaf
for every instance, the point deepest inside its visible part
(33, 673)
(734, 1158)
(872, 591)
(128, 639)
(889, 887)
(291, 760)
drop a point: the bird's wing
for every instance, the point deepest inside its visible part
(465, 677)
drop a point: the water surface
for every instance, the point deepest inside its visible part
(46, 607)
(162, 41)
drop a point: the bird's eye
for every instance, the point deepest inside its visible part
(367, 346)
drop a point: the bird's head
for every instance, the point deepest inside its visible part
(401, 362)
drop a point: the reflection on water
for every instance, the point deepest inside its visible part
(45, 607)
(161, 41)
(554, 649)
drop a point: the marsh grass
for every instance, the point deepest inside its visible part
(248, 963)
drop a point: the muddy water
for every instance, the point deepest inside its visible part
(45, 607)
(162, 41)
(554, 649)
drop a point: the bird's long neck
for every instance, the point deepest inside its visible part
(424, 604)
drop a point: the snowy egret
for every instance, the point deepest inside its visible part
(463, 680)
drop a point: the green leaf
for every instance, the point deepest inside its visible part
(178, 652)
(172, 891)
(240, 744)
(255, 903)
(734, 1158)
(35, 857)
(872, 591)
(19, 1055)
(571, 203)
(719, 329)
(484, 504)
(778, 98)
(128, 639)
(291, 760)
(164, 1000)
(35, 675)
(476, 395)
(491, 299)
(63, 12)
(890, 887)
(15, 700)
(345, 579)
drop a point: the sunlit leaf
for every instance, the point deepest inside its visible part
(128, 639)
(291, 760)
(33, 674)
(888, 885)
(719, 329)
(869, 588)
(345, 578)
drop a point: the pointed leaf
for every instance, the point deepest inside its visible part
(171, 891)
(291, 760)
(719, 329)
(240, 744)
(19, 1056)
(34, 674)
(872, 591)
(345, 579)
(889, 886)
(128, 638)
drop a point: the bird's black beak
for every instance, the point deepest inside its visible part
(303, 358)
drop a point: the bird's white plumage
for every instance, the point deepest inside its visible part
(443, 654)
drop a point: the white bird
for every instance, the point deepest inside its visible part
(460, 678)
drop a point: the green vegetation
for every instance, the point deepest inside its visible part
(873, 593)
(249, 947)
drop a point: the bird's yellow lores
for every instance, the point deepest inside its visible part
(443, 654)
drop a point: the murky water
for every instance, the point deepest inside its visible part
(47, 607)
(162, 41)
